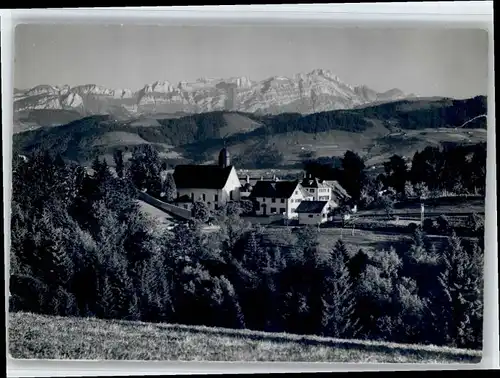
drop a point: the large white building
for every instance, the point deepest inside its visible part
(213, 184)
(278, 197)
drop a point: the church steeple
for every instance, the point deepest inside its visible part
(224, 160)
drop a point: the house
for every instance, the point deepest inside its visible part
(324, 190)
(278, 197)
(319, 190)
(313, 212)
(213, 184)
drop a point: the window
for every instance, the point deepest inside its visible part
(273, 209)
(216, 206)
(324, 215)
(310, 215)
(282, 200)
(273, 200)
(192, 196)
(263, 200)
(178, 194)
(216, 197)
(204, 197)
(282, 210)
(231, 195)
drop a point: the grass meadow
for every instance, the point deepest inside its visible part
(49, 337)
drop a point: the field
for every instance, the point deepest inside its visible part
(48, 337)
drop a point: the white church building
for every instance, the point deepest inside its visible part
(213, 184)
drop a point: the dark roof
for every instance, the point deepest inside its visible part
(201, 176)
(311, 206)
(309, 183)
(276, 189)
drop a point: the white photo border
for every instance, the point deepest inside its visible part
(460, 14)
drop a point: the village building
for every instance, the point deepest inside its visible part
(214, 185)
(319, 190)
(278, 197)
(313, 212)
(324, 190)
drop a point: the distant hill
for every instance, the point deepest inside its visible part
(376, 130)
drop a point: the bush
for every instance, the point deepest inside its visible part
(429, 225)
(412, 227)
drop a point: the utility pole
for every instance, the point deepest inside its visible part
(421, 213)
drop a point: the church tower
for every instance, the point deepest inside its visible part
(224, 160)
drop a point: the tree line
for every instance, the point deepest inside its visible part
(434, 171)
(80, 246)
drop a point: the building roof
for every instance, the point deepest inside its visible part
(337, 190)
(315, 207)
(201, 176)
(311, 183)
(274, 189)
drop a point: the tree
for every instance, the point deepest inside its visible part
(341, 249)
(443, 224)
(458, 303)
(396, 173)
(475, 223)
(119, 164)
(145, 168)
(409, 191)
(353, 174)
(247, 206)
(387, 203)
(421, 190)
(200, 211)
(169, 189)
(339, 318)
(357, 265)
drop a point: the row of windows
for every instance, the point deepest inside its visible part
(282, 210)
(216, 196)
(273, 200)
(312, 215)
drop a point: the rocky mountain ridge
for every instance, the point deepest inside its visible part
(305, 93)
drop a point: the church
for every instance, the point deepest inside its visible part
(213, 184)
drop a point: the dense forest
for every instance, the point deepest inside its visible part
(81, 247)
(202, 131)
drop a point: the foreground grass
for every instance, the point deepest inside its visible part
(47, 337)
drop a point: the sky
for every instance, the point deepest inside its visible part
(426, 62)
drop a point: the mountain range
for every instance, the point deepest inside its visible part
(304, 93)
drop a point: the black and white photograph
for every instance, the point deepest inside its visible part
(248, 193)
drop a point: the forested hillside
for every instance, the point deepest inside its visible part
(196, 133)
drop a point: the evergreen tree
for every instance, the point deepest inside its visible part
(458, 306)
(119, 164)
(169, 188)
(339, 299)
(145, 169)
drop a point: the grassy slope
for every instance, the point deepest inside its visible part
(37, 336)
